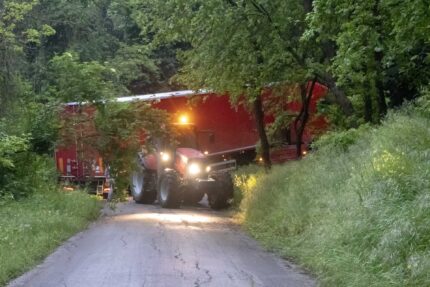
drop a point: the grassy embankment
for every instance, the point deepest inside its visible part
(357, 211)
(33, 227)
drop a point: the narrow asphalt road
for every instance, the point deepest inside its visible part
(144, 245)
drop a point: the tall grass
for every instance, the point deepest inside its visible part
(357, 211)
(31, 228)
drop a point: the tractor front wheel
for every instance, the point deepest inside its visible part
(221, 197)
(143, 187)
(169, 191)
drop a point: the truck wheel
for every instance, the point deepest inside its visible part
(193, 196)
(169, 191)
(143, 187)
(221, 196)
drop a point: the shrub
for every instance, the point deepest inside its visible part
(23, 172)
(341, 140)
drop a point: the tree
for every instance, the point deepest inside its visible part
(118, 128)
(239, 47)
(381, 50)
(97, 30)
(15, 34)
(58, 51)
(101, 123)
(76, 81)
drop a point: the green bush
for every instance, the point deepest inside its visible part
(244, 181)
(340, 141)
(22, 171)
(11, 147)
(26, 174)
(423, 106)
(357, 211)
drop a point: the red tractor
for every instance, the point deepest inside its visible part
(182, 174)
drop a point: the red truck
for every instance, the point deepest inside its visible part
(214, 136)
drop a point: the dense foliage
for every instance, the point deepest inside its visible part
(53, 52)
(355, 212)
(371, 55)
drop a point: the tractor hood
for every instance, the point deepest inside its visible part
(193, 163)
(190, 162)
(189, 153)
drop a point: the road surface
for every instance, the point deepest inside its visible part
(146, 246)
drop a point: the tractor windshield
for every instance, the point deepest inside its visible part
(186, 136)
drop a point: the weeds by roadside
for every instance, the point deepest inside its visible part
(357, 211)
(33, 227)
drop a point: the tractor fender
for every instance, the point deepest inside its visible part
(148, 162)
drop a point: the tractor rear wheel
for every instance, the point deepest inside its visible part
(143, 186)
(221, 197)
(169, 191)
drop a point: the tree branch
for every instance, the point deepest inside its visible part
(263, 11)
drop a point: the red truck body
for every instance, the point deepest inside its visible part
(232, 130)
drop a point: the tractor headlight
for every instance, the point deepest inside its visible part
(194, 169)
(165, 157)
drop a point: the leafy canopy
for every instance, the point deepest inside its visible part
(235, 46)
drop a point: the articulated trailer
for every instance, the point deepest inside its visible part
(213, 138)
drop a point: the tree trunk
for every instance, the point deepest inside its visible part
(382, 104)
(307, 4)
(259, 120)
(303, 117)
(340, 97)
(368, 107)
(379, 56)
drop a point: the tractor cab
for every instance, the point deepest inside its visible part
(187, 136)
(185, 157)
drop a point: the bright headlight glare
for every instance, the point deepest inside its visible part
(194, 169)
(208, 169)
(165, 156)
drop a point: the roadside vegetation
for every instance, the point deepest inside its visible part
(32, 228)
(356, 211)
